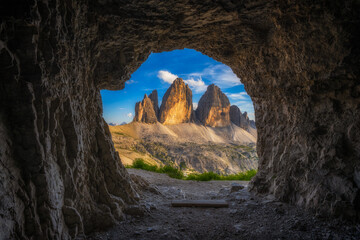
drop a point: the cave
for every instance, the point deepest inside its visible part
(60, 176)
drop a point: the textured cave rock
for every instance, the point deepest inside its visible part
(60, 175)
(213, 108)
(176, 106)
(145, 111)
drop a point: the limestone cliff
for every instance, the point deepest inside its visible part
(213, 108)
(145, 110)
(176, 106)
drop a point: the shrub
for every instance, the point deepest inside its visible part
(207, 176)
(139, 163)
(243, 176)
(174, 172)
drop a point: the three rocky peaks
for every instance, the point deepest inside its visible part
(213, 108)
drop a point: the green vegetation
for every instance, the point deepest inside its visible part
(246, 148)
(173, 172)
(207, 176)
(120, 133)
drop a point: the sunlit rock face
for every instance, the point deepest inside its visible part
(145, 110)
(213, 108)
(176, 106)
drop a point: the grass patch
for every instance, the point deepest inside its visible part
(120, 133)
(246, 148)
(207, 176)
(173, 172)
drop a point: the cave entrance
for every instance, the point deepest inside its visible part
(183, 111)
(299, 61)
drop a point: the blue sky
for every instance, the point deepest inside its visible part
(158, 72)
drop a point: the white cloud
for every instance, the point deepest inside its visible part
(238, 96)
(121, 108)
(130, 81)
(166, 76)
(195, 105)
(251, 116)
(246, 106)
(221, 75)
(197, 85)
(130, 115)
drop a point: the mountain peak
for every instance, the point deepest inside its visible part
(154, 99)
(176, 106)
(146, 110)
(213, 108)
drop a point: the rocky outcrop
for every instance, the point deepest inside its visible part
(145, 110)
(60, 174)
(176, 106)
(213, 108)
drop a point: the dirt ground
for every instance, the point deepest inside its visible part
(247, 217)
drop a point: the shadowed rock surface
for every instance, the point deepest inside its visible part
(145, 111)
(176, 106)
(213, 108)
(59, 173)
(235, 114)
(241, 119)
(154, 98)
(241, 220)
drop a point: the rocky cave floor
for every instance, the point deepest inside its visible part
(248, 216)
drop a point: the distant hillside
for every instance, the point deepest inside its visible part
(192, 147)
(216, 137)
(187, 132)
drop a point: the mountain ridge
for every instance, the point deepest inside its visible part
(213, 109)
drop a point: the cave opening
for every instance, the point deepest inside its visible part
(219, 137)
(60, 174)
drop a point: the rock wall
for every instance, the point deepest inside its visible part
(60, 175)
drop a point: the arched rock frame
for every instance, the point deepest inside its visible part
(60, 175)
